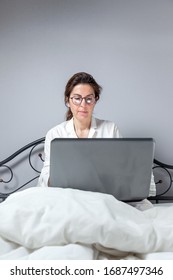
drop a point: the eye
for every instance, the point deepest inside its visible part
(77, 98)
(89, 99)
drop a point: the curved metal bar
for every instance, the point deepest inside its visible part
(22, 150)
(11, 174)
(41, 156)
(160, 181)
(163, 164)
(3, 163)
(30, 154)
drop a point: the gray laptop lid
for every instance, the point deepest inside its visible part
(118, 166)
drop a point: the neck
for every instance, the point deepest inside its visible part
(82, 128)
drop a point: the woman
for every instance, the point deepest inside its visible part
(81, 95)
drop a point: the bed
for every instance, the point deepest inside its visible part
(66, 224)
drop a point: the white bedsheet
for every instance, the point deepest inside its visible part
(54, 223)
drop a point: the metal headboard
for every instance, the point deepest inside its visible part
(5, 164)
(158, 165)
(163, 180)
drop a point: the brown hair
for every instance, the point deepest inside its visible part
(80, 78)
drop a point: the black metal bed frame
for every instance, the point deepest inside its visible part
(5, 164)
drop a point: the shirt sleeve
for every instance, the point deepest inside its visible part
(152, 191)
(44, 176)
(116, 132)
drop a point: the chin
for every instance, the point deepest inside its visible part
(83, 115)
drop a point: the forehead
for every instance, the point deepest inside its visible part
(83, 89)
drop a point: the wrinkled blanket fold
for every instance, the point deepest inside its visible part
(80, 223)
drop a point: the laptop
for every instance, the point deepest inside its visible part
(120, 167)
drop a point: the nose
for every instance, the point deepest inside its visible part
(83, 103)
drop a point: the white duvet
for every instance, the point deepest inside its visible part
(55, 223)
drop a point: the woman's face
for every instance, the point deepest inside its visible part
(82, 111)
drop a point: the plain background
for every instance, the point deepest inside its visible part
(127, 45)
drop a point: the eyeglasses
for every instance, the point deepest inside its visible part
(77, 100)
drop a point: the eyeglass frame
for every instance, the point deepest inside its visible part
(85, 98)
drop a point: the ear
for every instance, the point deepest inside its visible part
(96, 99)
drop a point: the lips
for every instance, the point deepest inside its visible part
(82, 112)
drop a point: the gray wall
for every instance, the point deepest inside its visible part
(127, 45)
